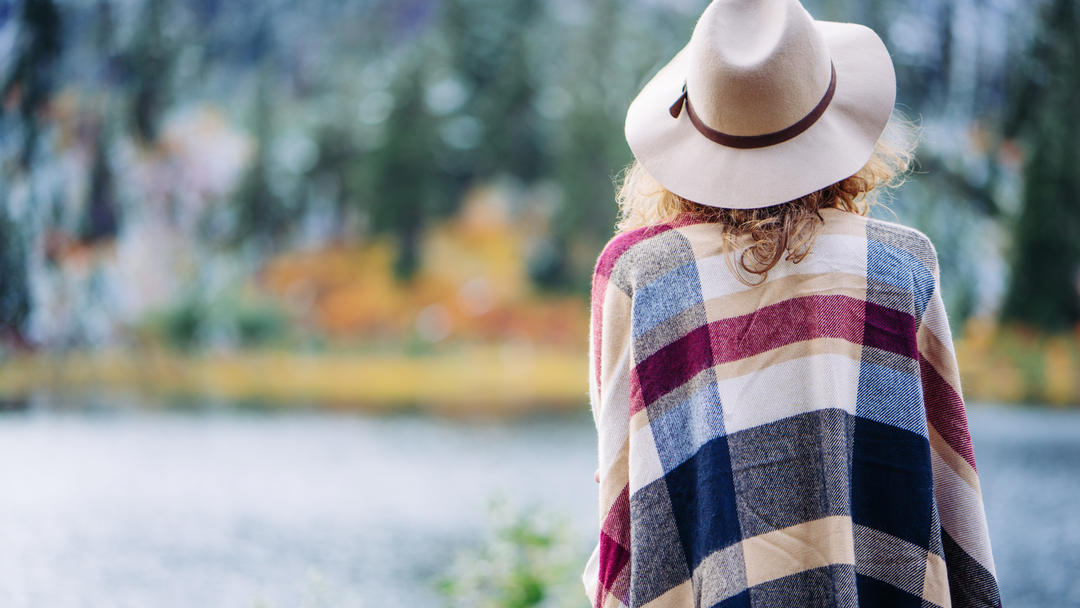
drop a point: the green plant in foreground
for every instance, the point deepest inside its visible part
(530, 558)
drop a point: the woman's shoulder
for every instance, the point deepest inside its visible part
(640, 243)
(884, 240)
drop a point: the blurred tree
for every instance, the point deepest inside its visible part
(149, 64)
(592, 153)
(489, 48)
(339, 171)
(104, 28)
(1046, 114)
(29, 85)
(402, 174)
(28, 90)
(262, 216)
(15, 302)
(516, 140)
(102, 219)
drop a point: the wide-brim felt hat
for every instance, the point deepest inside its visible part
(763, 106)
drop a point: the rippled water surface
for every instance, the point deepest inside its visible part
(1029, 469)
(135, 509)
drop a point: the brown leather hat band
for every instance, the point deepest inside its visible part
(745, 142)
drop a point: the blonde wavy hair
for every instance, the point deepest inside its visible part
(789, 228)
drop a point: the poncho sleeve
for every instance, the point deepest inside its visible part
(965, 540)
(607, 575)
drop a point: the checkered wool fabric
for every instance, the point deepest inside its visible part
(799, 443)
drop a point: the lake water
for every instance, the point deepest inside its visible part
(127, 508)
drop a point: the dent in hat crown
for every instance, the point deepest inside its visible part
(756, 66)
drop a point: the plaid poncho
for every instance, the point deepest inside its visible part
(798, 443)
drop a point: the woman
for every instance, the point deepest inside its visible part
(774, 384)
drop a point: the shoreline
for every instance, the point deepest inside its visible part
(475, 381)
(462, 380)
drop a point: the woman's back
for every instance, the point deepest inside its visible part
(799, 442)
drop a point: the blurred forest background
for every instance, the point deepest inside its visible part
(321, 199)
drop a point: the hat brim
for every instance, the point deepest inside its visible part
(836, 147)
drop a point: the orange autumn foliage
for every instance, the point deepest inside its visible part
(472, 286)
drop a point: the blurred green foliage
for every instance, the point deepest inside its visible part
(229, 321)
(529, 559)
